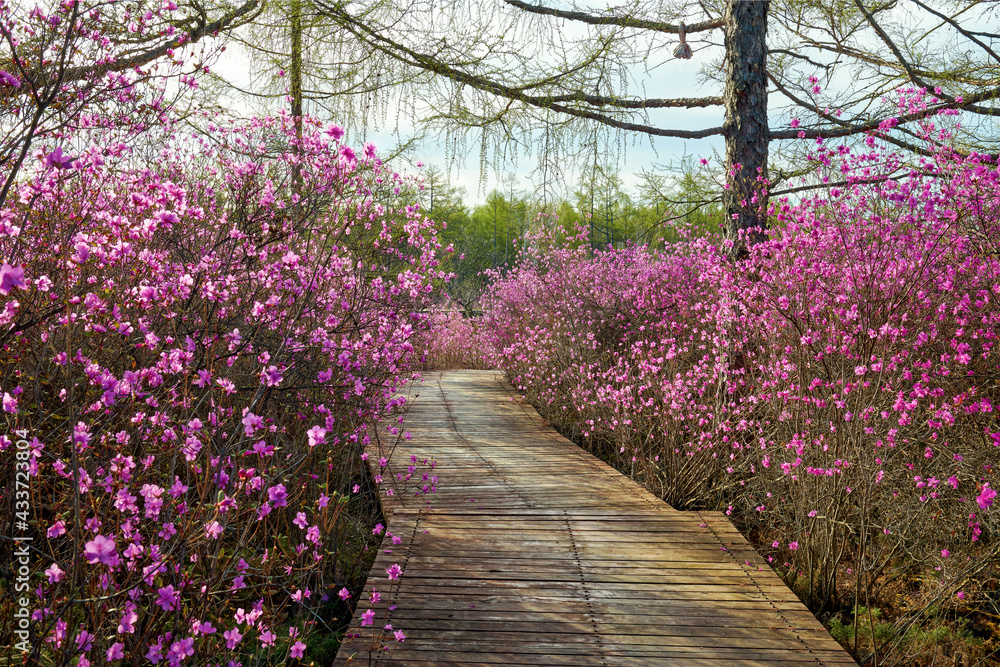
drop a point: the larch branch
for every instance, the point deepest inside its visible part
(621, 21)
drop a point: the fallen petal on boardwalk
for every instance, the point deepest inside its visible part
(533, 552)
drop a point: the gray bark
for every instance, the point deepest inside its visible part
(745, 127)
(296, 88)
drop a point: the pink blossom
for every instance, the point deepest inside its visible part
(9, 79)
(316, 435)
(54, 573)
(278, 495)
(56, 529)
(232, 638)
(251, 423)
(271, 376)
(986, 497)
(116, 651)
(180, 650)
(167, 598)
(11, 277)
(101, 550)
(57, 160)
(213, 530)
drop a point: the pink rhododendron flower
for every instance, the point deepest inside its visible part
(271, 376)
(278, 495)
(54, 573)
(986, 497)
(251, 423)
(167, 598)
(11, 277)
(180, 650)
(232, 638)
(57, 160)
(9, 79)
(101, 550)
(213, 530)
(316, 435)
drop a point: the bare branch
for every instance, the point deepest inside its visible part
(954, 24)
(792, 54)
(653, 103)
(430, 63)
(226, 22)
(904, 63)
(848, 128)
(621, 21)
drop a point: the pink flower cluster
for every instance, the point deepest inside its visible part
(199, 349)
(839, 382)
(455, 340)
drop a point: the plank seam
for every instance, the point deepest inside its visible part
(511, 488)
(609, 472)
(602, 652)
(756, 584)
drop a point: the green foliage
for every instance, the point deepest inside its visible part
(863, 630)
(322, 649)
(689, 200)
(487, 236)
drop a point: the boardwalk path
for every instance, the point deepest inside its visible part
(533, 552)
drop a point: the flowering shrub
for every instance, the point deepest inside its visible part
(196, 345)
(836, 391)
(455, 341)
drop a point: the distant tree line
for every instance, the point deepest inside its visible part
(487, 236)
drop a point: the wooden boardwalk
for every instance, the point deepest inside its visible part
(533, 552)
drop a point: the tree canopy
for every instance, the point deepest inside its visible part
(543, 78)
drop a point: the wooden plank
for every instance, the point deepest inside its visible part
(533, 552)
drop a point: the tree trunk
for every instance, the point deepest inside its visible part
(745, 126)
(295, 73)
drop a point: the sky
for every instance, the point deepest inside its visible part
(668, 77)
(671, 78)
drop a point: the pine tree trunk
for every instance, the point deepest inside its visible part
(745, 126)
(295, 72)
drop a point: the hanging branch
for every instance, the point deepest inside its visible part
(432, 63)
(620, 21)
